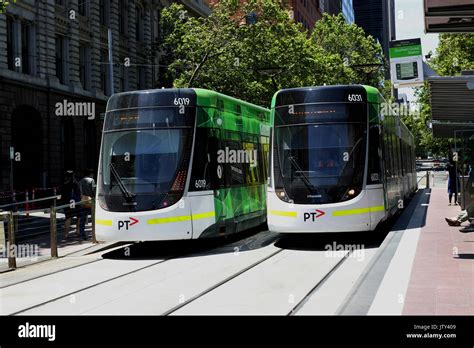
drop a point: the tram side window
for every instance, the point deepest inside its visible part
(388, 152)
(233, 169)
(204, 170)
(374, 173)
(252, 168)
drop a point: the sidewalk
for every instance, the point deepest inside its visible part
(37, 249)
(442, 275)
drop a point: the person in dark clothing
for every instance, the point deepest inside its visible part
(87, 185)
(70, 192)
(453, 182)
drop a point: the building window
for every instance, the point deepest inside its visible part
(83, 7)
(139, 23)
(60, 58)
(104, 66)
(25, 48)
(141, 78)
(60, 2)
(122, 15)
(322, 7)
(10, 44)
(121, 77)
(103, 11)
(84, 66)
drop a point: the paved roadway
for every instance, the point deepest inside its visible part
(259, 273)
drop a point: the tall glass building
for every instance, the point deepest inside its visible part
(348, 11)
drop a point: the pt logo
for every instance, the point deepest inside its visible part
(126, 223)
(313, 215)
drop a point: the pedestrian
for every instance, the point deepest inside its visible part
(87, 185)
(453, 182)
(70, 193)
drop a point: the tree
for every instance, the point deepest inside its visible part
(3, 5)
(454, 54)
(361, 56)
(251, 60)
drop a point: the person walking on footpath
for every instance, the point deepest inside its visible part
(70, 191)
(453, 182)
(87, 185)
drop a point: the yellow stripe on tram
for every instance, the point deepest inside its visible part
(358, 211)
(166, 220)
(104, 222)
(283, 213)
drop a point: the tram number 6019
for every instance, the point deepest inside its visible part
(354, 97)
(181, 101)
(200, 184)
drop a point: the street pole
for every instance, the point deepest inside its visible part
(12, 157)
(111, 65)
(392, 37)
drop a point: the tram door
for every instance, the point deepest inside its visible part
(214, 144)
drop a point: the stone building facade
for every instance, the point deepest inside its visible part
(54, 66)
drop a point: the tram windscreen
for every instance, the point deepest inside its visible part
(321, 161)
(145, 158)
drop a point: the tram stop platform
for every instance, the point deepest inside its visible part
(442, 275)
(423, 267)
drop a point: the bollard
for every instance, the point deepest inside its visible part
(53, 228)
(94, 240)
(11, 242)
(427, 179)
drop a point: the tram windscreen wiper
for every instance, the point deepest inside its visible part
(129, 197)
(306, 181)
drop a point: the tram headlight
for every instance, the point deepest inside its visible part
(350, 193)
(282, 195)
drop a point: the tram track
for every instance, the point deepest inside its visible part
(226, 280)
(319, 284)
(250, 279)
(244, 242)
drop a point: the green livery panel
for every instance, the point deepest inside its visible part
(231, 149)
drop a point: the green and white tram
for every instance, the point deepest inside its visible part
(341, 160)
(181, 164)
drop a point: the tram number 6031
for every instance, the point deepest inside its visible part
(354, 97)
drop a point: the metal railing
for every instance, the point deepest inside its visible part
(11, 213)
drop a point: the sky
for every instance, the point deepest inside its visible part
(409, 24)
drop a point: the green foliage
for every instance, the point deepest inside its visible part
(361, 56)
(252, 61)
(417, 123)
(454, 53)
(3, 5)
